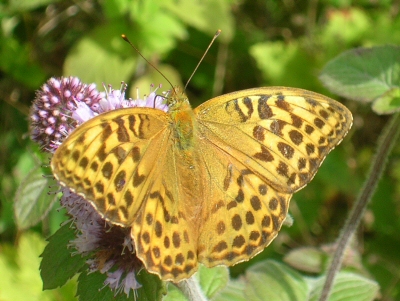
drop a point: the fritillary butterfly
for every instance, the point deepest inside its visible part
(208, 185)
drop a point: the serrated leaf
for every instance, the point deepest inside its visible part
(363, 74)
(283, 282)
(388, 103)
(91, 288)
(347, 287)
(212, 280)
(32, 201)
(58, 265)
(152, 287)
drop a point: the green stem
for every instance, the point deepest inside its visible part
(385, 144)
(191, 289)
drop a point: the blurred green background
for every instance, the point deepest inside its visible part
(263, 43)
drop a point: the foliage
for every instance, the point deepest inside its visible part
(285, 43)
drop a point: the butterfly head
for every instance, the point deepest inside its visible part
(177, 99)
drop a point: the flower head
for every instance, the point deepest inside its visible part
(111, 246)
(53, 106)
(64, 103)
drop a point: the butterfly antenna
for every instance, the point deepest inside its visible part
(155, 68)
(194, 71)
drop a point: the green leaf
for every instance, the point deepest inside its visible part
(283, 282)
(363, 74)
(20, 279)
(283, 64)
(27, 5)
(58, 265)
(218, 15)
(91, 288)
(388, 103)
(152, 287)
(97, 58)
(355, 20)
(206, 16)
(115, 8)
(17, 63)
(306, 259)
(32, 201)
(233, 291)
(158, 36)
(174, 294)
(153, 77)
(347, 287)
(212, 280)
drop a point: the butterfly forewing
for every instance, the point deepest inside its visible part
(107, 160)
(125, 163)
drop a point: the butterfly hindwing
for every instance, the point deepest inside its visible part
(167, 228)
(283, 134)
(241, 213)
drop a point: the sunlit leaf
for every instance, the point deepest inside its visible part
(233, 291)
(364, 74)
(306, 259)
(58, 265)
(283, 283)
(347, 287)
(212, 280)
(32, 200)
(388, 103)
(97, 58)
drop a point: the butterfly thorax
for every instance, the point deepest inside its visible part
(183, 119)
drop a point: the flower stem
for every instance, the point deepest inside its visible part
(191, 289)
(385, 144)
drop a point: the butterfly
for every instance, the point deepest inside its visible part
(208, 185)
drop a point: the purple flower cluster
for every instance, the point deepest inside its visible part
(111, 246)
(60, 106)
(53, 106)
(64, 103)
